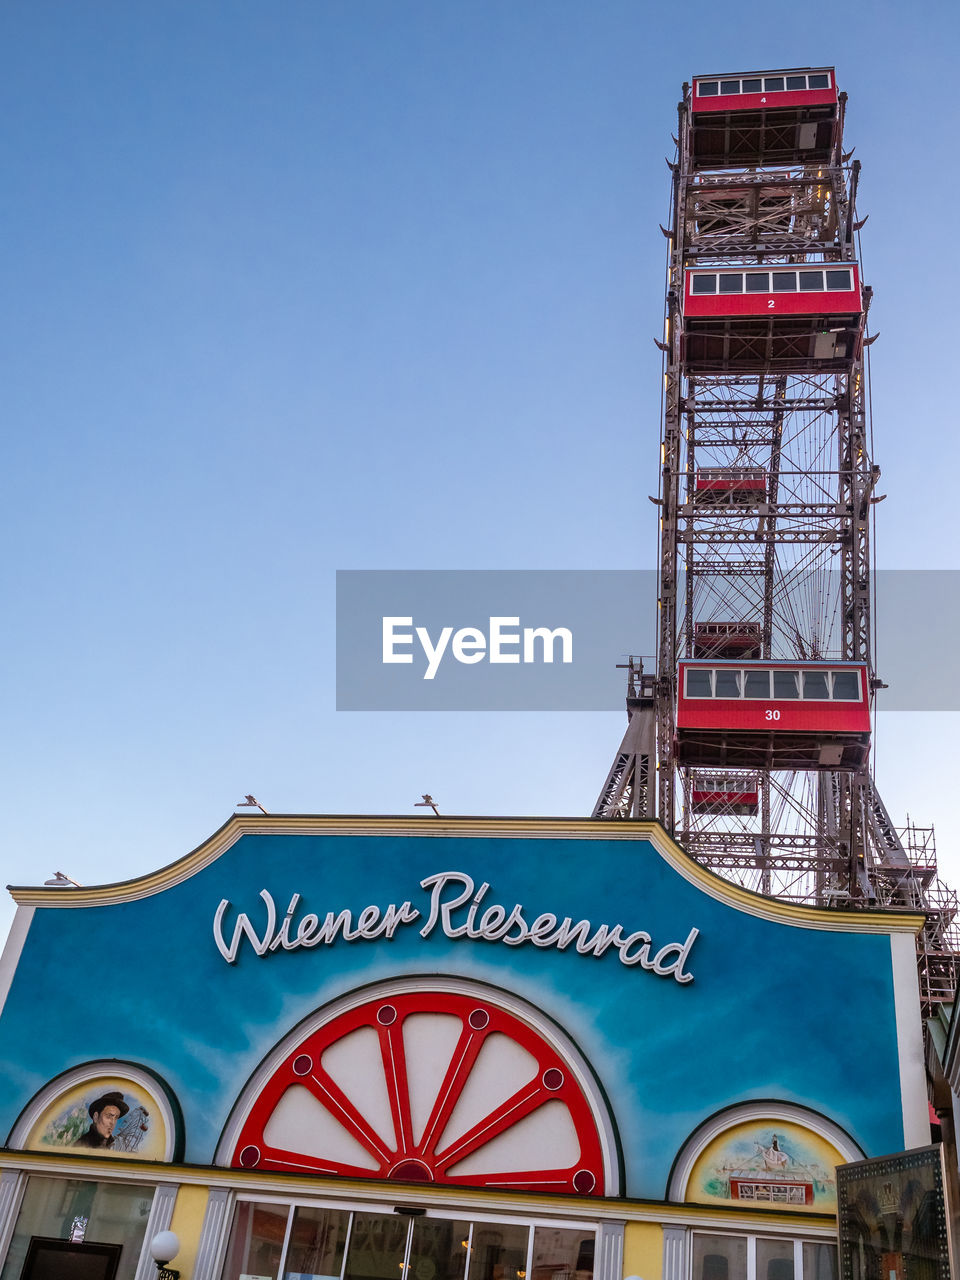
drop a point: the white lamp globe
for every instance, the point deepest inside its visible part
(164, 1246)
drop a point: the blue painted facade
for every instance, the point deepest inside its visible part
(776, 1010)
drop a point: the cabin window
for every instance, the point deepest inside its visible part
(796, 82)
(731, 282)
(773, 84)
(756, 684)
(699, 684)
(704, 284)
(815, 686)
(811, 281)
(818, 81)
(707, 89)
(786, 684)
(784, 282)
(846, 686)
(728, 684)
(729, 86)
(752, 86)
(758, 282)
(839, 280)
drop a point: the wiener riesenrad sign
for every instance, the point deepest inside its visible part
(458, 908)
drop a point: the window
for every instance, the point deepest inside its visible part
(786, 684)
(781, 1258)
(846, 686)
(731, 282)
(839, 279)
(758, 282)
(811, 281)
(784, 282)
(752, 86)
(729, 86)
(280, 1241)
(704, 284)
(815, 688)
(773, 84)
(707, 89)
(699, 682)
(106, 1212)
(796, 82)
(756, 684)
(728, 683)
(819, 81)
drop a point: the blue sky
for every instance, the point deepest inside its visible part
(304, 286)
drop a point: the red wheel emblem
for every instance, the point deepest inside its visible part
(430, 1087)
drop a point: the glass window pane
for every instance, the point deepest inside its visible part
(317, 1238)
(731, 282)
(839, 280)
(256, 1240)
(846, 686)
(707, 89)
(784, 282)
(819, 1262)
(796, 82)
(698, 683)
(499, 1252)
(704, 284)
(773, 83)
(756, 684)
(814, 686)
(729, 86)
(728, 684)
(758, 282)
(561, 1254)
(377, 1244)
(774, 1260)
(438, 1250)
(752, 86)
(818, 82)
(785, 684)
(106, 1212)
(719, 1257)
(811, 281)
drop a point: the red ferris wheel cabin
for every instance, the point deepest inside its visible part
(801, 317)
(766, 118)
(773, 715)
(764, 89)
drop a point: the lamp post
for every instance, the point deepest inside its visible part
(163, 1247)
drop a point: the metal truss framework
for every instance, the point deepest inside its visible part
(790, 558)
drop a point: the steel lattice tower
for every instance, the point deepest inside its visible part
(766, 496)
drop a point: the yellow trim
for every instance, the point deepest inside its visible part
(527, 828)
(643, 1250)
(187, 1221)
(519, 1204)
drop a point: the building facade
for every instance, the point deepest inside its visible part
(449, 1049)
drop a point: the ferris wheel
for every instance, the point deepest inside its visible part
(749, 733)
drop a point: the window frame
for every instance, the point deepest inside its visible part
(388, 1209)
(752, 1239)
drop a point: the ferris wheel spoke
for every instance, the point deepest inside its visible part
(319, 1083)
(509, 1113)
(448, 1095)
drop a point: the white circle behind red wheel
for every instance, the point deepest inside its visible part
(427, 1086)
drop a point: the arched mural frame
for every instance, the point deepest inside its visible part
(762, 1110)
(109, 1070)
(539, 1022)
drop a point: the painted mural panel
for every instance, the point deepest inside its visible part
(770, 1163)
(103, 1109)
